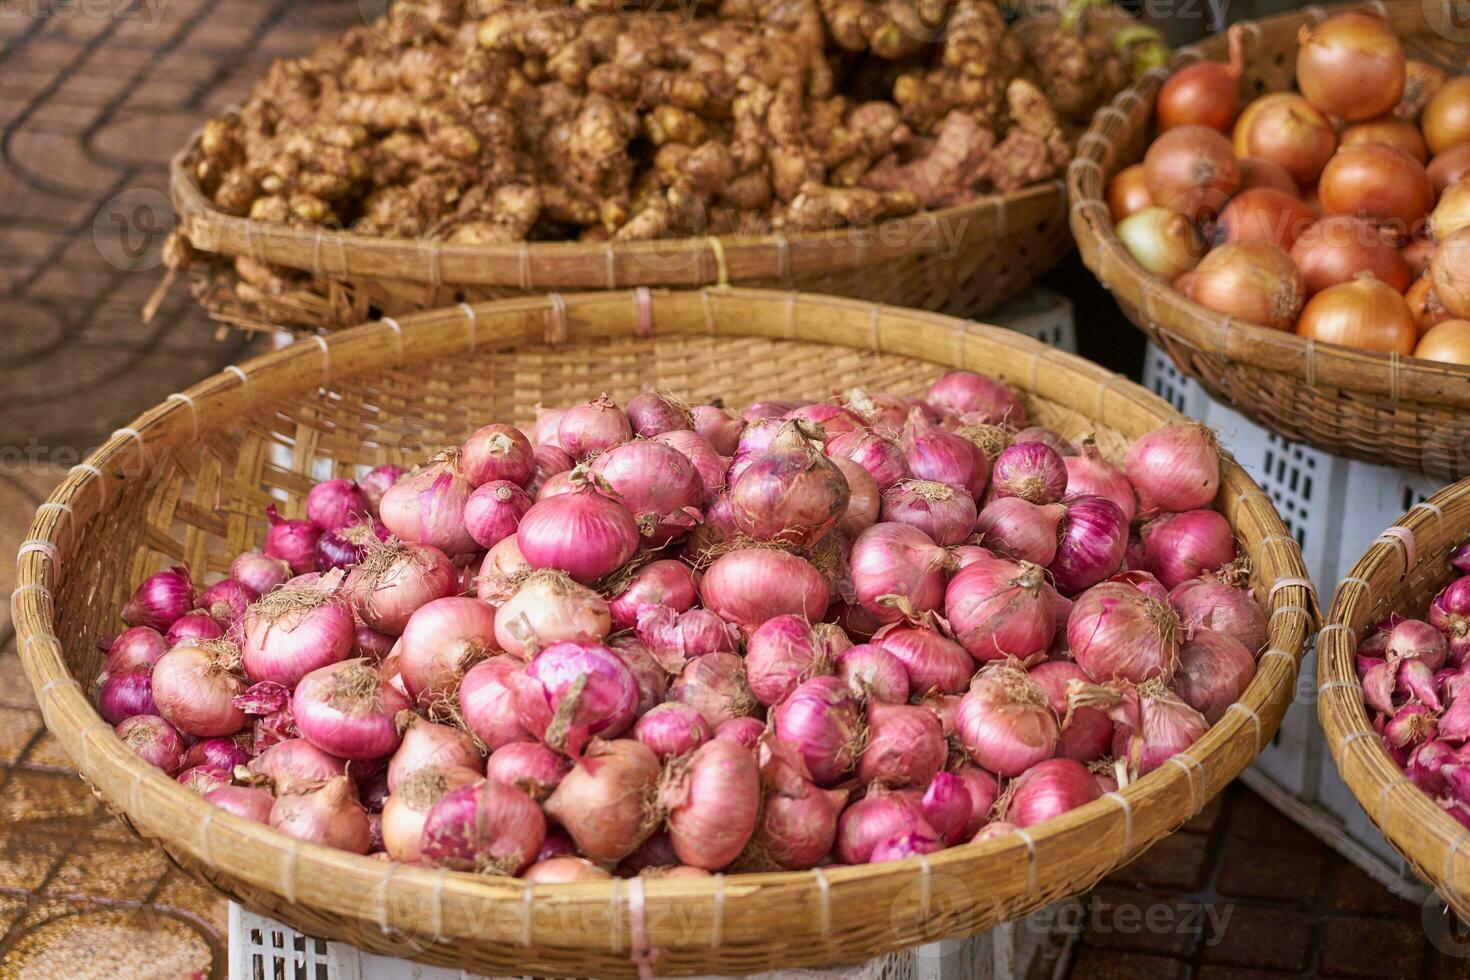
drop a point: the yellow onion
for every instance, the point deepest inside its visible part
(1452, 212)
(1366, 313)
(1351, 66)
(1448, 341)
(1450, 273)
(1162, 241)
(1446, 119)
(1254, 281)
(1390, 132)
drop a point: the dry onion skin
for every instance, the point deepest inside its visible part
(1252, 281)
(1366, 313)
(1351, 66)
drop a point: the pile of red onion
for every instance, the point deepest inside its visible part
(656, 638)
(1415, 673)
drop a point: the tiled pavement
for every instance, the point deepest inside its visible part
(94, 97)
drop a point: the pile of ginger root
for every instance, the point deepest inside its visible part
(476, 121)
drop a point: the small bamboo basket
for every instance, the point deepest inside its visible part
(189, 479)
(963, 260)
(1380, 408)
(1404, 569)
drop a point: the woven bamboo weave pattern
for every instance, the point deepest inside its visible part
(188, 482)
(1400, 573)
(1376, 407)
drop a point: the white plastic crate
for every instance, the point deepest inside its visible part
(1034, 947)
(1335, 508)
(1040, 314)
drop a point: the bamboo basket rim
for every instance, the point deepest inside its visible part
(708, 260)
(1406, 379)
(1432, 840)
(1120, 824)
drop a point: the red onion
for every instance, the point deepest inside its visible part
(1144, 582)
(295, 764)
(1183, 546)
(593, 427)
(652, 414)
(1378, 685)
(965, 555)
(932, 660)
(1115, 631)
(882, 458)
(427, 506)
(368, 642)
(1153, 725)
(559, 483)
(1021, 530)
(745, 730)
(1049, 789)
(672, 638)
(787, 650)
(488, 826)
(748, 586)
(1203, 604)
(822, 721)
(877, 817)
(260, 573)
(126, 693)
(1410, 725)
(530, 767)
(905, 846)
(757, 437)
(709, 464)
(293, 541)
(602, 801)
(648, 673)
(1416, 640)
(376, 481)
(946, 514)
(223, 754)
(935, 453)
(348, 710)
(1454, 724)
(501, 572)
(548, 421)
(394, 580)
(947, 807)
(1089, 475)
(1449, 612)
(661, 583)
(550, 461)
(334, 504)
(1214, 671)
(293, 631)
(548, 608)
(798, 819)
(833, 419)
(1415, 682)
(487, 702)
(1030, 470)
(136, 646)
(656, 483)
(557, 844)
(999, 609)
(885, 414)
(1050, 438)
(896, 563)
(226, 601)
(873, 674)
(272, 728)
(497, 453)
(162, 598)
(983, 790)
(583, 533)
(790, 494)
(442, 640)
(203, 779)
(716, 425)
(573, 690)
(328, 814)
(1460, 559)
(672, 730)
(905, 746)
(153, 740)
(193, 686)
(196, 625)
(1087, 733)
(716, 686)
(1174, 468)
(407, 809)
(1426, 765)
(243, 801)
(994, 830)
(1092, 545)
(493, 511)
(712, 798)
(426, 744)
(1005, 722)
(965, 392)
(560, 870)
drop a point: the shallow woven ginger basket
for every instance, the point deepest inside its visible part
(188, 482)
(963, 260)
(1400, 573)
(1381, 408)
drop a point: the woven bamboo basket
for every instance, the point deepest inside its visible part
(963, 260)
(1401, 572)
(188, 481)
(1380, 408)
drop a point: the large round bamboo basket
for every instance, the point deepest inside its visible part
(963, 260)
(188, 481)
(1400, 573)
(1380, 408)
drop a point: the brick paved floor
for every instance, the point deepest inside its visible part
(94, 98)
